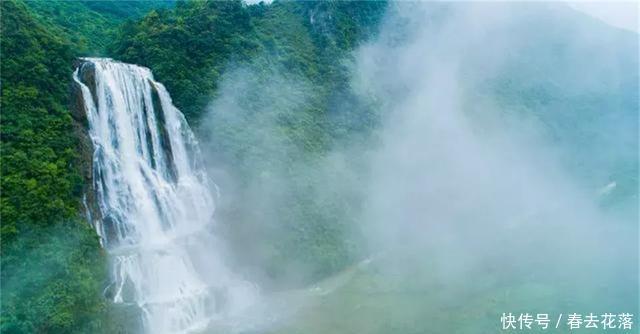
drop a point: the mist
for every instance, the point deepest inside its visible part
(281, 184)
(501, 177)
(318, 167)
(468, 183)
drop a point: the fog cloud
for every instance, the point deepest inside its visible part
(471, 184)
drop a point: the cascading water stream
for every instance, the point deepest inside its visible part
(153, 200)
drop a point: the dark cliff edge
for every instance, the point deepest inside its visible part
(81, 131)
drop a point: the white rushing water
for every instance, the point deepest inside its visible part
(154, 201)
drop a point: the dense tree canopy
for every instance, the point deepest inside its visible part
(268, 90)
(89, 25)
(192, 48)
(53, 269)
(267, 87)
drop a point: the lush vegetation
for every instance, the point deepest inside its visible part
(52, 266)
(89, 25)
(267, 87)
(53, 269)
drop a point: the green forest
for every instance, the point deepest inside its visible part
(189, 45)
(284, 130)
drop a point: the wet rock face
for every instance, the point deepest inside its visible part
(165, 141)
(86, 74)
(80, 128)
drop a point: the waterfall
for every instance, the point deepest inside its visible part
(154, 202)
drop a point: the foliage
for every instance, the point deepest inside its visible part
(89, 25)
(38, 153)
(52, 281)
(187, 47)
(53, 269)
(268, 88)
(279, 74)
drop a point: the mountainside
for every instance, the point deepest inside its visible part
(290, 102)
(53, 269)
(90, 25)
(272, 90)
(41, 152)
(52, 266)
(269, 88)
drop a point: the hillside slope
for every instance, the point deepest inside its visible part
(53, 269)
